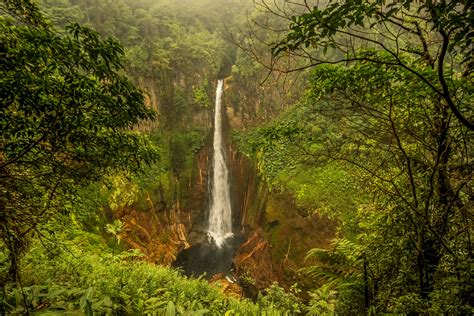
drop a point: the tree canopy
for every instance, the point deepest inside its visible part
(438, 34)
(389, 104)
(67, 118)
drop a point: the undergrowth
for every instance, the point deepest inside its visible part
(92, 281)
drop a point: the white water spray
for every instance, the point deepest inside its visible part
(220, 215)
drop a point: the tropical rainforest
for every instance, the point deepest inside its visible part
(343, 144)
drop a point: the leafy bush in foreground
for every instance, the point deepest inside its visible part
(78, 282)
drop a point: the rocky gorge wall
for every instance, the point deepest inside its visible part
(276, 233)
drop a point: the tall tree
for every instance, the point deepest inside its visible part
(436, 33)
(67, 118)
(391, 96)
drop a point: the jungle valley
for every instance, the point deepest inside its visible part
(236, 157)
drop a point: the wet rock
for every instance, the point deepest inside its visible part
(254, 260)
(228, 285)
(159, 236)
(206, 258)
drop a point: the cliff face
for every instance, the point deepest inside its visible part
(176, 103)
(278, 233)
(171, 213)
(161, 228)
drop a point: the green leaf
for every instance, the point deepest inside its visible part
(170, 309)
(85, 303)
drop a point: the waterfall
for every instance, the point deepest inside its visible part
(220, 216)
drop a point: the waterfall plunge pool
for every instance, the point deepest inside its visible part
(208, 258)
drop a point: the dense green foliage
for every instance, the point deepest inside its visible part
(71, 112)
(90, 279)
(400, 28)
(377, 137)
(67, 109)
(173, 49)
(379, 112)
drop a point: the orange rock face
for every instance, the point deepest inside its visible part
(227, 287)
(254, 259)
(159, 237)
